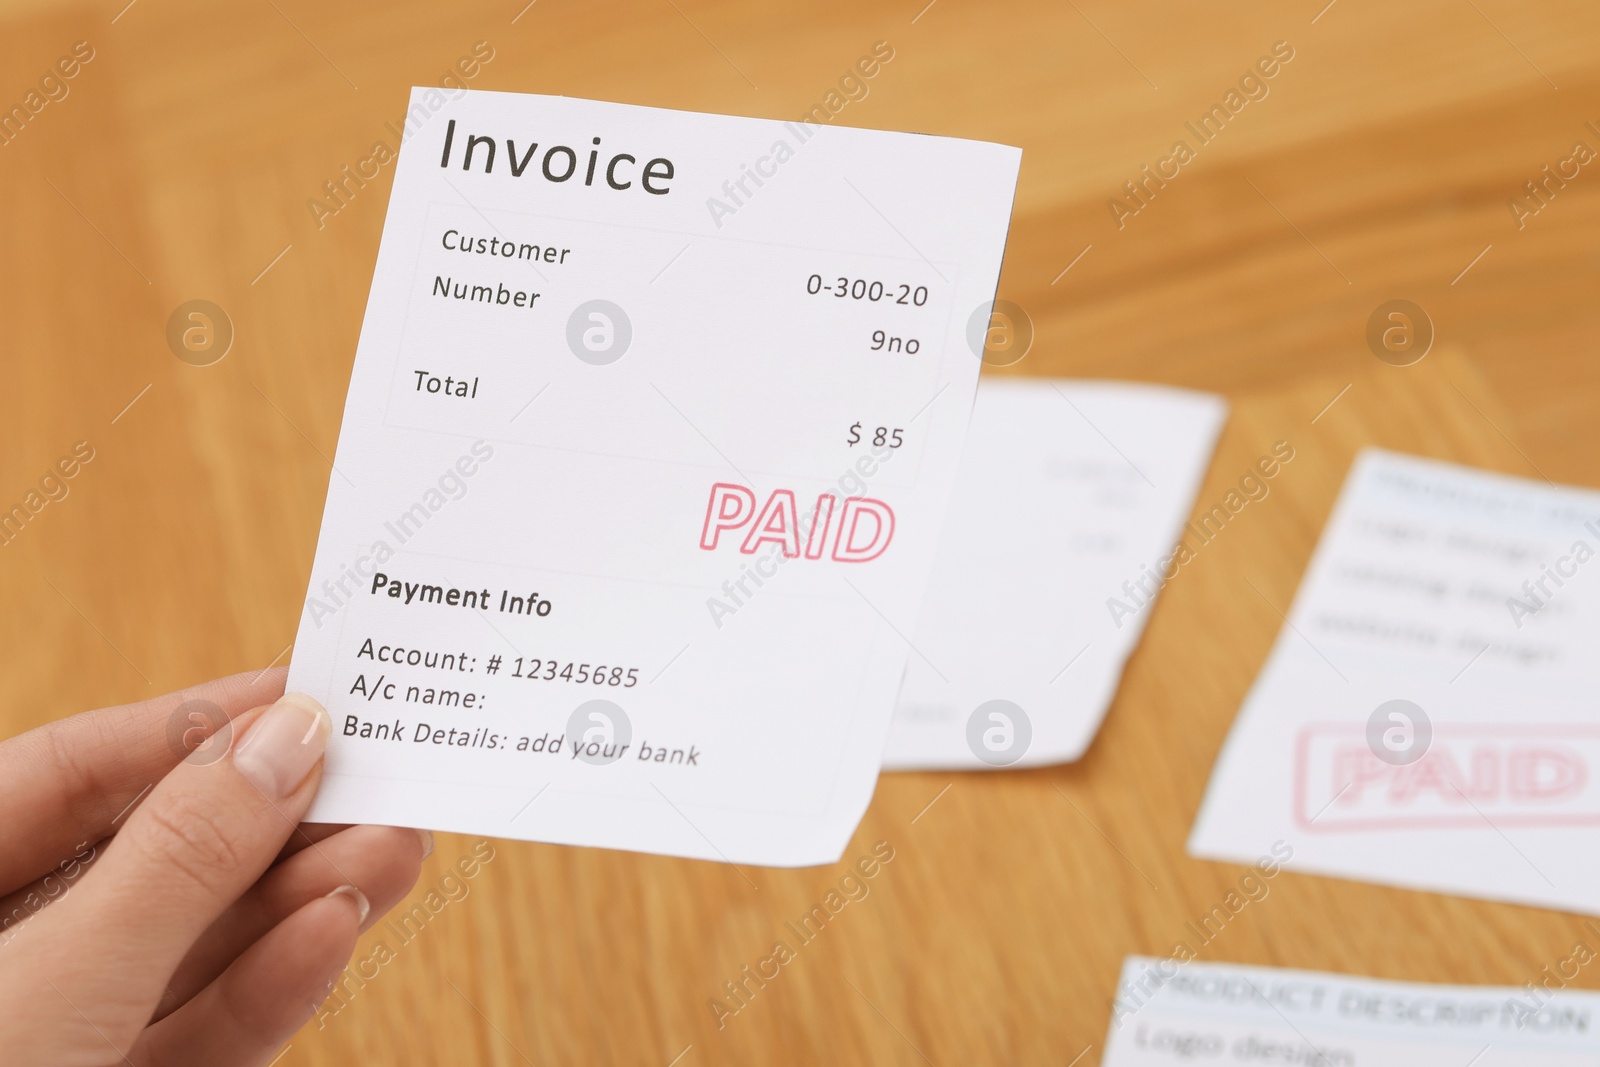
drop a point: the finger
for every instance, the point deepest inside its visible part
(381, 861)
(204, 836)
(41, 892)
(69, 783)
(308, 834)
(258, 1003)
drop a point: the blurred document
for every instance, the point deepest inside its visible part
(1062, 531)
(650, 437)
(1169, 1012)
(1427, 717)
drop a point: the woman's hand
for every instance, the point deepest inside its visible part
(158, 908)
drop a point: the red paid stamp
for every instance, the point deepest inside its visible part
(1479, 775)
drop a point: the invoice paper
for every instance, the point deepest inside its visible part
(1427, 717)
(1168, 1012)
(1070, 494)
(649, 439)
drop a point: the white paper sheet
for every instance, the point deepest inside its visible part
(1070, 494)
(1472, 597)
(611, 483)
(1168, 1012)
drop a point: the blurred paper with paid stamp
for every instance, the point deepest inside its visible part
(1427, 717)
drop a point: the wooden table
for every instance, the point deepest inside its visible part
(1378, 166)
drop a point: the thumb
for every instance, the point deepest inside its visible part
(208, 831)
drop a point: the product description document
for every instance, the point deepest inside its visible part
(649, 443)
(1171, 1012)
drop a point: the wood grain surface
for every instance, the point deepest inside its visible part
(182, 162)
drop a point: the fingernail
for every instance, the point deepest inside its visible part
(283, 745)
(357, 898)
(427, 842)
